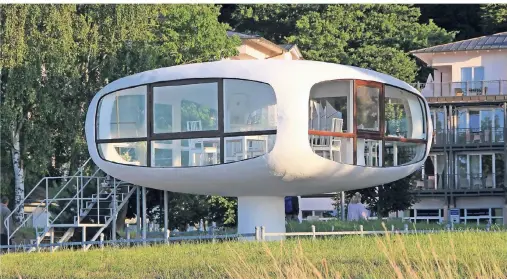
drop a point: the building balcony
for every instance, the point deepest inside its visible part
(468, 136)
(462, 88)
(473, 181)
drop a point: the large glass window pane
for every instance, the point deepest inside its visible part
(466, 76)
(499, 124)
(461, 171)
(478, 77)
(182, 108)
(162, 118)
(128, 153)
(404, 116)
(330, 101)
(403, 153)
(246, 147)
(475, 170)
(122, 114)
(499, 170)
(197, 152)
(248, 106)
(367, 108)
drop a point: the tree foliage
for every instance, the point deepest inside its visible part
(373, 36)
(53, 58)
(494, 18)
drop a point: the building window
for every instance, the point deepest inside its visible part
(248, 106)
(185, 123)
(472, 77)
(477, 171)
(122, 114)
(196, 106)
(386, 126)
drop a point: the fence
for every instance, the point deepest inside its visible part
(259, 235)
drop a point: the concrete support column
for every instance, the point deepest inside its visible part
(256, 211)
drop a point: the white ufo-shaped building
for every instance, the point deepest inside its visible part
(259, 130)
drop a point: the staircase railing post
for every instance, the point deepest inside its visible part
(83, 235)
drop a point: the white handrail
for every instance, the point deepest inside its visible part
(6, 223)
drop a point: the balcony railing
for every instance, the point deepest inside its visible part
(462, 136)
(462, 181)
(462, 88)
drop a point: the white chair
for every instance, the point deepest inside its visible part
(194, 126)
(329, 144)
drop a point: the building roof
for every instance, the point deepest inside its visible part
(287, 47)
(495, 41)
(242, 35)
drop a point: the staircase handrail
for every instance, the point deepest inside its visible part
(48, 226)
(6, 223)
(75, 196)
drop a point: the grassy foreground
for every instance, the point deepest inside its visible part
(443, 255)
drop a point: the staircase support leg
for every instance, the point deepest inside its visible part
(144, 215)
(138, 211)
(166, 211)
(83, 233)
(52, 239)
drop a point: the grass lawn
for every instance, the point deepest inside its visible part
(442, 255)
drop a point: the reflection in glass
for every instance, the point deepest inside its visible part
(122, 114)
(368, 100)
(462, 173)
(403, 153)
(128, 153)
(197, 152)
(330, 101)
(248, 106)
(404, 115)
(246, 147)
(182, 108)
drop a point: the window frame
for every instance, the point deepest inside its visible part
(374, 135)
(152, 136)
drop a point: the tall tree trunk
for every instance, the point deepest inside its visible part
(19, 177)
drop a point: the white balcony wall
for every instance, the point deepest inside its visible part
(494, 63)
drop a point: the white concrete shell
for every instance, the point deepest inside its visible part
(291, 168)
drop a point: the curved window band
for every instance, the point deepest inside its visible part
(194, 141)
(393, 130)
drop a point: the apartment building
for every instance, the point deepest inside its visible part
(464, 176)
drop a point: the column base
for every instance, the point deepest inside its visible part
(255, 211)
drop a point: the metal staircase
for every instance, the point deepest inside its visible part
(88, 200)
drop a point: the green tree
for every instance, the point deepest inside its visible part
(372, 36)
(493, 18)
(54, 58)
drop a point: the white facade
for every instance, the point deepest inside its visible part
(137, 128)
